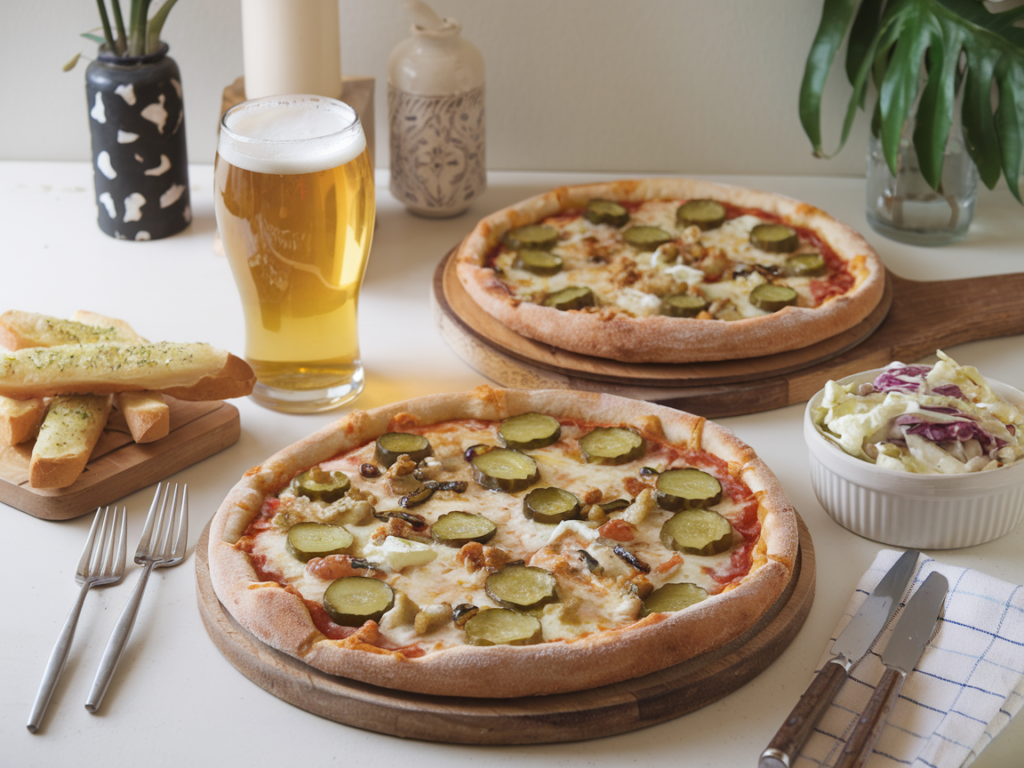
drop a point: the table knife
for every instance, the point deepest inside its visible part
(855, 640)
(909, 638)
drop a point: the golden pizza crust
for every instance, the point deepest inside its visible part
(660, 339)
(278, 616)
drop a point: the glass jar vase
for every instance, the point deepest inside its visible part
(905, 208)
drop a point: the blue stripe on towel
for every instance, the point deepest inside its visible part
(969, 717)
(993, 635)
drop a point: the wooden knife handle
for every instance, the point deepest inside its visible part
(783, 749)
(872, 721)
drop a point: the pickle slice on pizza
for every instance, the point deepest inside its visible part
(490, 591)
(724, 248)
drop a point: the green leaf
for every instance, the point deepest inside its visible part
(156, 25)
(835, 18)
(860, 83)
(900, 83)
(95, 38)
(934, 114)
(1010, 122)
(122, 35)
(979, 127)
(919, 53)
(108, 35)
(137, 23)
(864, 30)
(71, 64)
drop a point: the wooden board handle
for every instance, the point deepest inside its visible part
(872, 720)
(926, 316)
(783, 749)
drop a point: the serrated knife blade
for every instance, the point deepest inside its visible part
(853, 642)
(909, 638)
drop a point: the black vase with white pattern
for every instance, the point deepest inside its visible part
(140, 163)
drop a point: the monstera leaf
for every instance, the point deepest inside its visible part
(923, 51)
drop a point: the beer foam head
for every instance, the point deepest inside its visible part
(290, 134)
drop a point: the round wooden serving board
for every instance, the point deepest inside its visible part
(912, 320)
(589, 714)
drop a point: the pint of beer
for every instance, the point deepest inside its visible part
(295, 208)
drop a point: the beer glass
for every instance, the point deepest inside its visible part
(295, 208)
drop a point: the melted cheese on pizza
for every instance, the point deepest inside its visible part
(430, 576)
(720, 264)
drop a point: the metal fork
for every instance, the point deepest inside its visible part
(156, 550)
(101, 564)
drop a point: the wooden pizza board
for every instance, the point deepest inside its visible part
(912, 320)
(118, 465)
(590, 714)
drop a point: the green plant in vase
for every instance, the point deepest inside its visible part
(940, 67)
(142, 35)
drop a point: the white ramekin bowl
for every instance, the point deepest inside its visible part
(908, 510)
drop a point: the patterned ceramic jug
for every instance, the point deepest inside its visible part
(436, 120)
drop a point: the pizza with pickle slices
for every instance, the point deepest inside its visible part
(670, 271)
(504, 543)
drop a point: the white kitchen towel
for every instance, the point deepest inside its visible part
(966, 687)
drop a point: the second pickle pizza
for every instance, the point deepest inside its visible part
(504, 543)
(670, 271)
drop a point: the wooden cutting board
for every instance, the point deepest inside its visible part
(579, 716)
(118, 465)
(912, 321)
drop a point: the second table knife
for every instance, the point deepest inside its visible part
(909, 638)
(856, 639)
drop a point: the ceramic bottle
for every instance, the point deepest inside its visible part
(436, 118)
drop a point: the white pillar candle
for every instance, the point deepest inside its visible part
(291, 46)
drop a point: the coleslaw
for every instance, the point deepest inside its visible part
(938, 419)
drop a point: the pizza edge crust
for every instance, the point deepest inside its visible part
(664, 339)
(278, 617)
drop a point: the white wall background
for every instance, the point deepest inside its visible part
(680, 86)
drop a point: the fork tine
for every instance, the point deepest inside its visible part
(104, 558)
(162, 550)
(87, 552)
(181, 536)
(116, 543)
(122, 543)
(155, 512)
(104, 545)
(100, 543)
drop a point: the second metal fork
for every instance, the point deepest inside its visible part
(156, 550)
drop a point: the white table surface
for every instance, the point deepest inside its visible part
(175, 699)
